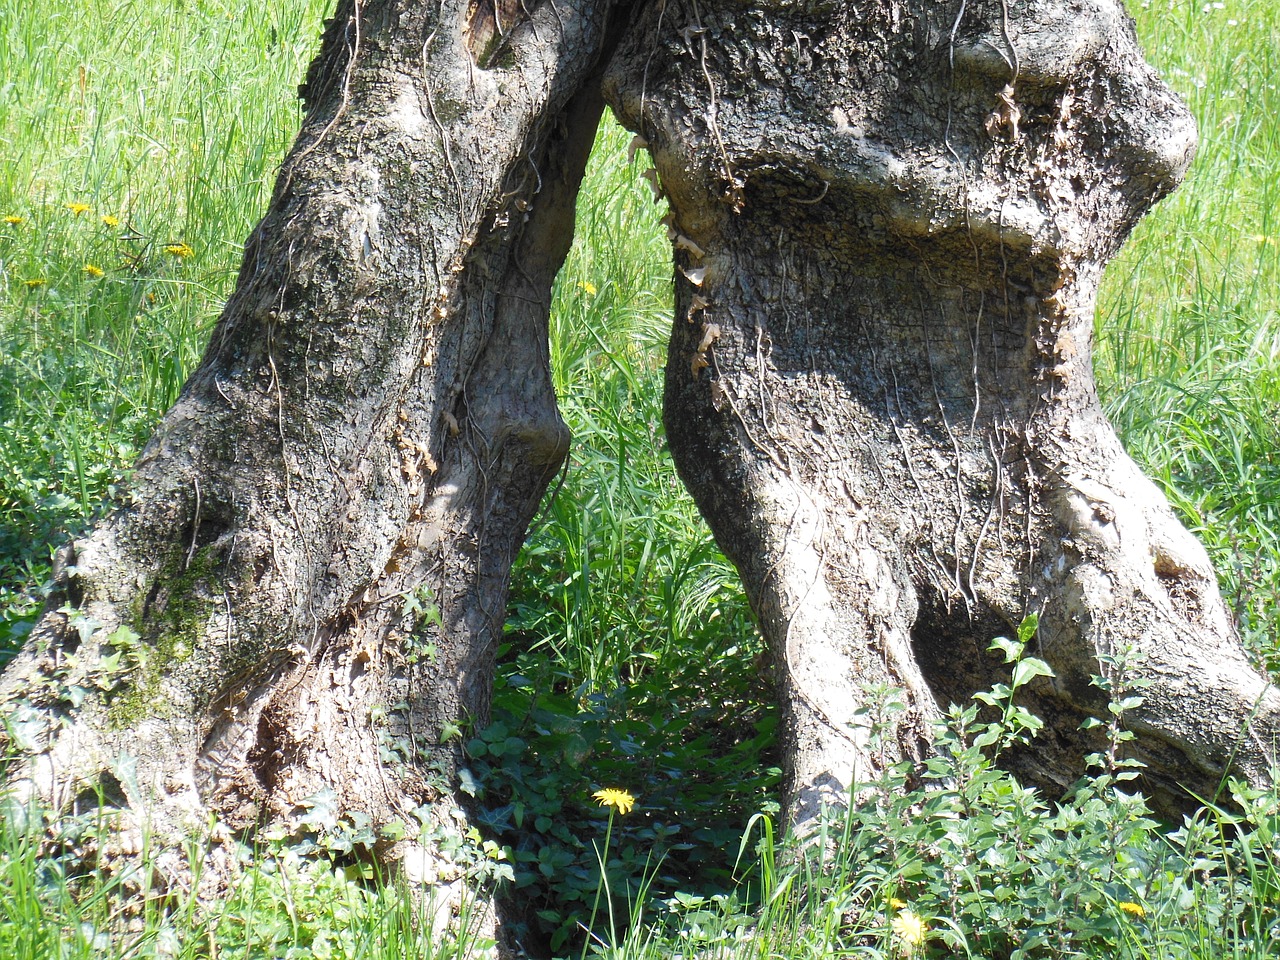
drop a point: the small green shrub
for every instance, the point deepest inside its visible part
(969, 863)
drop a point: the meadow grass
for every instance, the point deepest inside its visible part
(630, 641)
(1188, 344)
(140, 141)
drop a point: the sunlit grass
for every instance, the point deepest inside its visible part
(140, 142)
(1188, 356)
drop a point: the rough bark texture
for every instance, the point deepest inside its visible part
(368, 435)
(889, 222)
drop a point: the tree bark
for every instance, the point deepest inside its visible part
(889, 223)
(368, 435)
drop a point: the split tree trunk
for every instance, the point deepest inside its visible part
(890, 219)
(368, 435)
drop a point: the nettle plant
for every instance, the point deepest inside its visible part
(962, 860)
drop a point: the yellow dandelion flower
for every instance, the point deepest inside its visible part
(897, 904)
(1133, 909)
(620, 800)
(110, 221)
(179, 250)
(78, 208)
(909, 931)
(35, 282)
(92, 270)
(588, 286)
(13, 220)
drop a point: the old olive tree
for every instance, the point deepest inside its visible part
(888, 220)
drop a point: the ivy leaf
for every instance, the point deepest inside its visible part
(1027, 629)
(322, 811)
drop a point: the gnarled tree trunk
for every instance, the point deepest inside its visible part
(890, 219)
(368, 435)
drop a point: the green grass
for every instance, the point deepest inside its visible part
(629, 640)
(287, 907)
(970, 862)
(1188, 356)
(166, 124)
(631, 659)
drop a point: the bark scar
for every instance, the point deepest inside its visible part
(489, 23)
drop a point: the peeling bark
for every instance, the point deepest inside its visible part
(889, 221)
(368, 435)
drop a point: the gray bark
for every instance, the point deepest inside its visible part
(373, 423)
(889, 222)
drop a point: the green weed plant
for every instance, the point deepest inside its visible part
(960, 860)
(953, 860)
